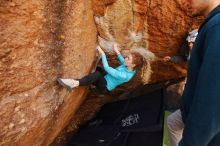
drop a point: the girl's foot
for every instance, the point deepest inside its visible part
(68, 83)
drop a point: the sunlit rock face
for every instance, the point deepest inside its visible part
(155, 29)
(159, 27)
(42, 40)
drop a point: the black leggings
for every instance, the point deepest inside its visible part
(96, 78)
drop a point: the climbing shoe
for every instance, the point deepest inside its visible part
(68, 83)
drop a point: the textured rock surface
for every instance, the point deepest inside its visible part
(42, 40)
(158, 26)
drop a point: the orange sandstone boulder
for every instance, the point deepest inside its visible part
(42, 40)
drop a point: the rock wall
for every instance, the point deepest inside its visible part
(42, 40)
(156, 26)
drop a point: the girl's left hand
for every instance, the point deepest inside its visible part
(100, 50)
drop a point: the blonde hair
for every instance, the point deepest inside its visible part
(137, 59)
(145, 69)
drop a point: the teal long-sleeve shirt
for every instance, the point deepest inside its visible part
(116, 76)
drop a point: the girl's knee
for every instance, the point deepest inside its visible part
(97, 73)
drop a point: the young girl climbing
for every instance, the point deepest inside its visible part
(108, 78)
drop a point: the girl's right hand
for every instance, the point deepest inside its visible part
(115, 48)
